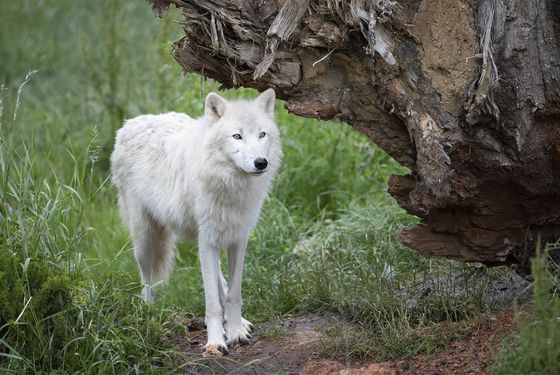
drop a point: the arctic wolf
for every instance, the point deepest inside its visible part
(202, 180)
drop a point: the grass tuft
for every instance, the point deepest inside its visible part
(535, 348)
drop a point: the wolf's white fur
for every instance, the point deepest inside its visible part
(192, 179)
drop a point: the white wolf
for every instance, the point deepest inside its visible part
(201, 180)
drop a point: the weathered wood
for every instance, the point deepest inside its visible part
(283, 26)
(465, 93)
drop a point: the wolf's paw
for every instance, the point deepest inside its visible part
(247, 325)
(216, 344)
(240, 333)
(148, 294)
(237, 335)
(214, 350)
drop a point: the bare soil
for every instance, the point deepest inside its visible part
(470, 355)
(275, 348)
(288, 347)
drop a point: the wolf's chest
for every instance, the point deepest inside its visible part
(223, 214)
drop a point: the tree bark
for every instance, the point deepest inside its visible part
(465, 93)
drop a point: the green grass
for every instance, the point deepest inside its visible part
(535, 348)
(68, 280)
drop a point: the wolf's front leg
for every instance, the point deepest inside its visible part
(210, 264)
(237, 328)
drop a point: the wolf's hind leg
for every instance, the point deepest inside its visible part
(153, 249)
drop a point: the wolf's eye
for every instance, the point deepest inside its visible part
(237, 136)
(262, 135)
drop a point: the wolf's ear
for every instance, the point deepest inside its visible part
(214, 107)
(266, 101)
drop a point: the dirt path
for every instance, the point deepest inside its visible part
(285, 348)
(470, 355)
(288, 348)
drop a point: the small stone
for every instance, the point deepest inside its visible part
(211, 351)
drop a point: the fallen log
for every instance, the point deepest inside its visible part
(466, 94)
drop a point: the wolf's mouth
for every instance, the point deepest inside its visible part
(257, 173)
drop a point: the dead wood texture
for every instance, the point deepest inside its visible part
(465, 93)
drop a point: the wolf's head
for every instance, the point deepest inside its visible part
(244, 132)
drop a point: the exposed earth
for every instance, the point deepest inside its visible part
(288, 347)
(291, 346)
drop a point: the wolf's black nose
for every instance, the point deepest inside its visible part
(260, 163)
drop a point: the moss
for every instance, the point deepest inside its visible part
(36, 308)
(11, 289)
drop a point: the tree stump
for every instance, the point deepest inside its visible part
(465, 93)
